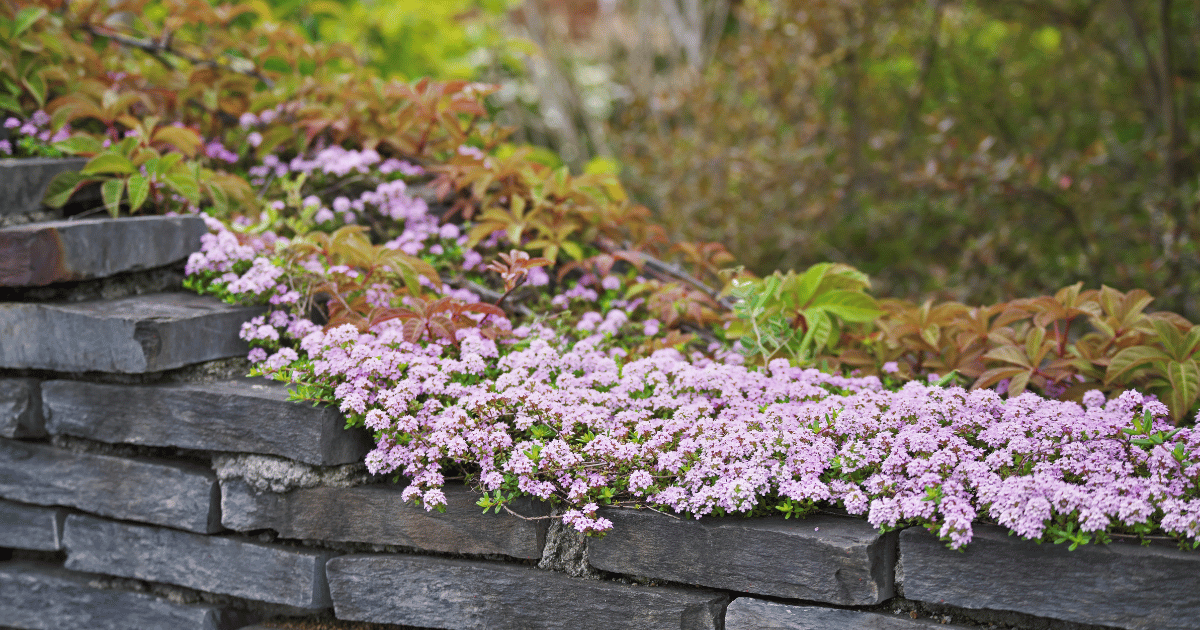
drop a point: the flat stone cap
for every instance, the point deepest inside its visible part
(38, 254)
(133, 335)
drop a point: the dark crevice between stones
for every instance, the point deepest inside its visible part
(347, 548)
(161, 453)
(56, 557)
(206, 372)
(980, 618)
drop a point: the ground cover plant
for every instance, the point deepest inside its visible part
(529, 330)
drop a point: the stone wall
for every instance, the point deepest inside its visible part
(144, 485)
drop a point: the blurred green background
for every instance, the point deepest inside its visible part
(970, 150)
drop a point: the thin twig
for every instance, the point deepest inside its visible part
(527, 518)
(155, 49)
(674, 272)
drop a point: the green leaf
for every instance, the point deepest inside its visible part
(184, 184)
(106, 163)
(1190, 342)
(9, 103)
(26, 18)
(80, 144)
(1009, 354)
(59, 192)
(819, 328)
(947, 379)
(1130, 358)
(573, 250)
(112, 190)
(807, 284)
(139, 189)
(850, 306)
(1170, 337)
(220, 201)
(1185, 386)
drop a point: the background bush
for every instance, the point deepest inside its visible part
(974, 150)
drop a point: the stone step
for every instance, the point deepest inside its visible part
(238, 415)
(216, 564)
(464, 595)
(823, 558)
(175, 494)
(23, 182)
(43, 596)
(1122, 585)
(377, 514)
(62, 251)
(747, 613)
(133, 335)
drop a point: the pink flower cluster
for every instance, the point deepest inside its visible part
(36, 127)
(567, 420)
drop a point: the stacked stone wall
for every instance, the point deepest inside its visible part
(144, 485)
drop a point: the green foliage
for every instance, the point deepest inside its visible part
(150, 164)
(410, 39)
(799, 316)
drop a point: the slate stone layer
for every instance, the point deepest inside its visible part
(239, 415)
(1119, 585)
(825, 558)
(464, 595)
(217, 564)
(31, 527)
(747, 613)
(377, 514)
(133, 335)
(43, 596)
(38, 254)
(176, 494)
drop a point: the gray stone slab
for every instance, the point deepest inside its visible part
(62, 251)
(21, 408)
(240, 415)
(377, 514)
(747, 613)
(823, 558)
(217, 564)
(145, 333)
(175, 494)
(1121, 585)
(47, 597)
(461, 594)
(31, 526)
(23, 181)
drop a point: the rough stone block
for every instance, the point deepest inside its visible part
(145, 333)
(175, 494)
(23, 182)
(217, 564)
(377, 514)
(31, 527)
(21, 408)
(824, 558)
(43, 596)
(241, 415)
(61, 251)
(460, 594)
(1121, 585)
(747, 613)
